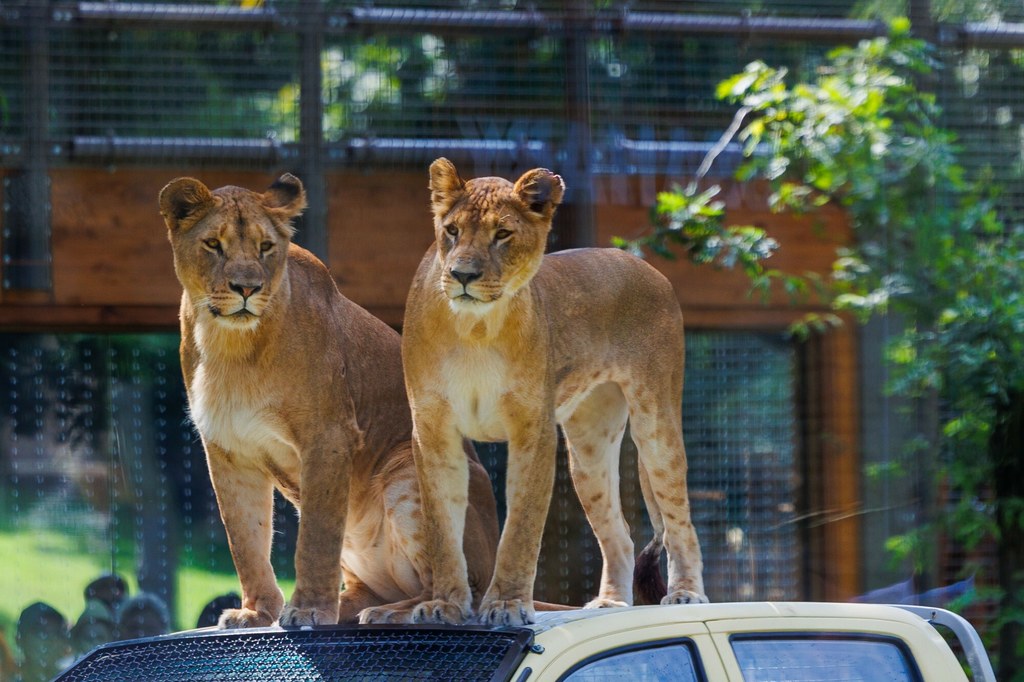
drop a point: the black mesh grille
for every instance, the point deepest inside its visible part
(351, 654)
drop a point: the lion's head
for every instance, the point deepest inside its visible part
(490, 232)
(231, 245)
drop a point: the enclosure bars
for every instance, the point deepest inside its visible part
(578, 212)
(455, 22)
(315, 23)
(26, 193)
(26, 221)
(312, 232)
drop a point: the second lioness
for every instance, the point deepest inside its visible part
(500, 343)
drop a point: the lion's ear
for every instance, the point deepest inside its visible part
(286, 197)
(445, 186)
(284, 200)
(184, 201)
(540, 190)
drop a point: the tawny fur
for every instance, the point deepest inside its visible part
(501, 343)
(293, 386)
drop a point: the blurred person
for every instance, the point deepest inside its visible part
(144, 615)
(210, 614)
(97, 624)
(44, 642)
(110, 589)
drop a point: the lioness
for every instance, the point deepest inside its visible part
(500, 343)
(293, 386)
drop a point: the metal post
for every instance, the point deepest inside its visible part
(578, 220)
(312, 233)
(27, 259)
(921, 21)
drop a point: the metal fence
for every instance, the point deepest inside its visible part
(589, 88)
(312, 84)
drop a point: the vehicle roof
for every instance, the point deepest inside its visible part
(565, 637)
(702, 613)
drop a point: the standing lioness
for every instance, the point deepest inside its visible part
(501, 343)
(291, 385)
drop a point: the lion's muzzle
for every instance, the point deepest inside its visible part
(245, 290)
(464, 273)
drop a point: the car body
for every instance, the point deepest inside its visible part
(702, 642)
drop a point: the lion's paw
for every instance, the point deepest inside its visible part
(243, 618)
(385, 615)
(440, 611)
(604, 603)
(295, 616)
(684, 597)
(503, 612)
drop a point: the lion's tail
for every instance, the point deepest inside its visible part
(648, 584)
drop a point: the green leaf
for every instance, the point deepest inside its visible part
(899, 27)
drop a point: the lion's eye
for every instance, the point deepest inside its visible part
(452, 230)
(501, 235)
(265, 247)
(212, 244)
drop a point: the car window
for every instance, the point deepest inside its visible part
(655, 664)
(829, 658)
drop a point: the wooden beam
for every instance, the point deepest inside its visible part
(753, 318)
(832, 499)
(88, 318)
(118, 318)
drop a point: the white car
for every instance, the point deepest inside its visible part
(701, 642)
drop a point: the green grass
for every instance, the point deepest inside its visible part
(55, 567)
(44, 566)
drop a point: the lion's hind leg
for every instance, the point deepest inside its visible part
(594, 434)
(655, 416)
(356, 597)
(408, 559)
(403, 563)
(396, 613)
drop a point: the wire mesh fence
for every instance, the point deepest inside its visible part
(97, 457)
(98, 449)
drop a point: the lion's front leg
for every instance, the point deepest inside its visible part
(443, 474)
(528, 488)
(245, 497)
(324, 499)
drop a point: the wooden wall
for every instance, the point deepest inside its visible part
(112, 264)
(720, 298)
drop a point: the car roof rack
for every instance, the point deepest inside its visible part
(970, 641)
(328, 652)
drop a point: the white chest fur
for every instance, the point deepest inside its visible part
(229, 409)
(474, 380)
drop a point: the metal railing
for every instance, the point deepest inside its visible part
(574, 26)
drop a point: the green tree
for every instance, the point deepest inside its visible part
(932, 248)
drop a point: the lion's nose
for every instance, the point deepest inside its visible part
(245, 290)
(465, 276)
